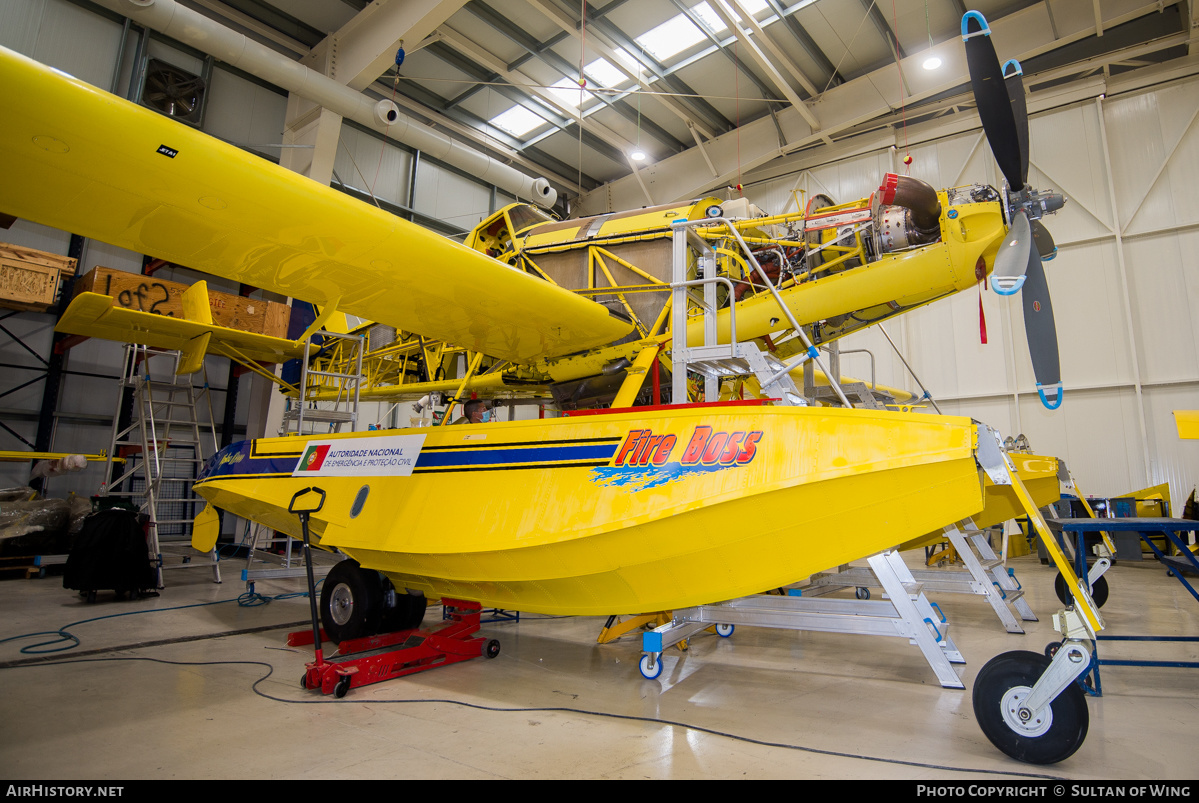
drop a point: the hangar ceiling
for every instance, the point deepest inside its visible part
(706, 91)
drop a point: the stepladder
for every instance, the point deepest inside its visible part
(160, 435)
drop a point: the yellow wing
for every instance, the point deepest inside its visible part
(79, 159)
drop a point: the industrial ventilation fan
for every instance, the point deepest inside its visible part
(173, 92)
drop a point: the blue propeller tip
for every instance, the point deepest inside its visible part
(1012, 289)
(984, 29)
(1054, 390)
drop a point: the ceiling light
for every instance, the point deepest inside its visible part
(637, 155)
(932, 63)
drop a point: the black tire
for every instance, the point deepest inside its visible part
(304, 681)
(351, 602)
(1053, 739)
(342, 687)
(491, 649)
(408, 613)
(1098, 591)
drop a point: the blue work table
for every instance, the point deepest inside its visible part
(1173, 530)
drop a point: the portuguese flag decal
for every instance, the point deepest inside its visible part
(313, 458)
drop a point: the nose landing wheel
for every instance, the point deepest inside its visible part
(1047, 736)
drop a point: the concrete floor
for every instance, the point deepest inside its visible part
(211, 700)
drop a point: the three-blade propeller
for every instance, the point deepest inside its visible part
(999, 93)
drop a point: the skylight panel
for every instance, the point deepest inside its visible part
(602, 71)
(517, 121)
(671, 37)
(567, 91)
(710, 17)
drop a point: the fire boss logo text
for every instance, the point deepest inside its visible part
(643, 448)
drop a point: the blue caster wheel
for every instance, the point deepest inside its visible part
(862, 593)
(724, 631)
(646, 672)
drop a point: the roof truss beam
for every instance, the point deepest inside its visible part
(366, 45)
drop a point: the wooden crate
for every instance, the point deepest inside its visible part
(29, 278)
(149, 294)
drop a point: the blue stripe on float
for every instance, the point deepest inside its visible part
(540, 454)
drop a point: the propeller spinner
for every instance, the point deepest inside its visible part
(999, 93)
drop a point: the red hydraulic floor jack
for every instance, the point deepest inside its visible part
(414, 650)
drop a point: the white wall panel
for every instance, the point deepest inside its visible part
(449, 196)
(1088, 311)
(244, 113)
(19, 24)
(1065, 153)
(365, 162)
(1164, 289)
(1147, 130)
(63, 35)
(1097, 436)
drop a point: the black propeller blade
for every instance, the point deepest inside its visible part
(999, 93)
(1043, 239)
(995, 101)
(1013, 81)
(1041, 332)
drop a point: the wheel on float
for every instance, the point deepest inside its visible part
(862, 593)
(1000, 689)
(351, 602)
(408, 613)
(1098, 591)
(724, 631)
(646, 672)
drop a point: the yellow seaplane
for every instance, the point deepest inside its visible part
(619, 510)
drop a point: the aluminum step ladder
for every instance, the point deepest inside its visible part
(712, 360)
(164, 446)
(983, 574)
(903, 612)
(331, 382)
